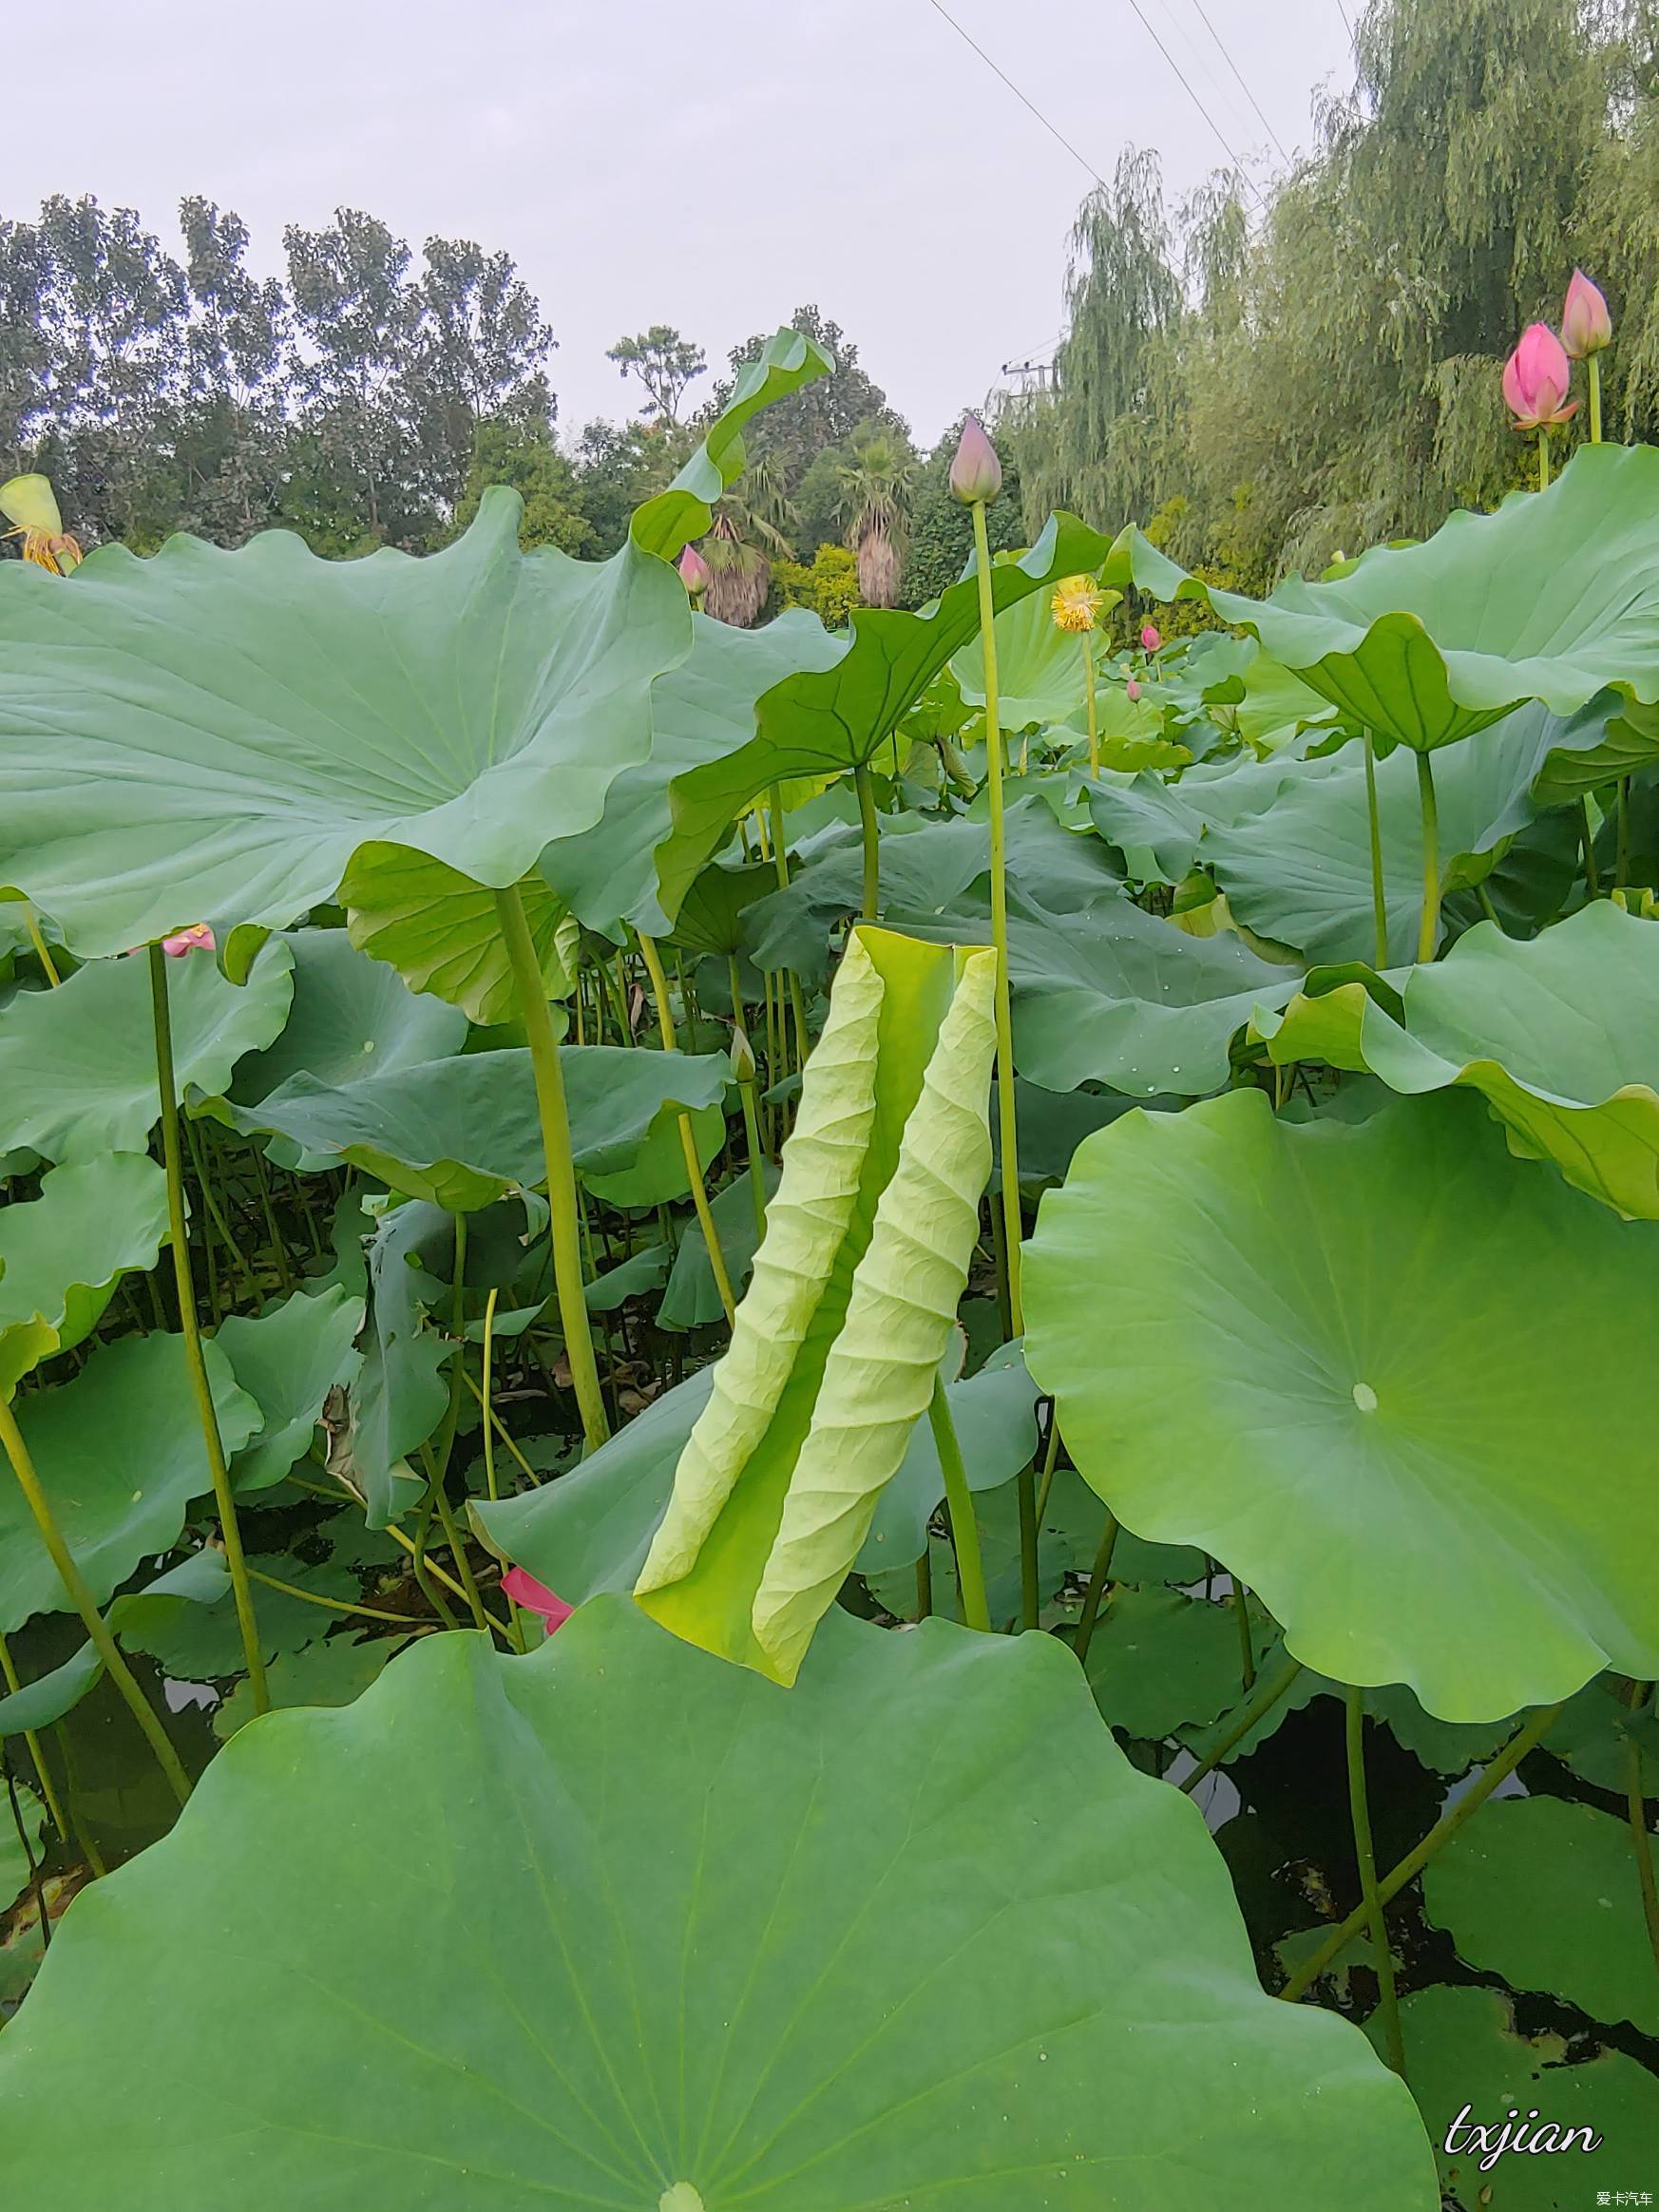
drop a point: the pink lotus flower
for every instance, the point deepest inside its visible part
(197, 938)
(536, 1597)
(976, 473)
(1586, 325)
(1133, 689)
(1535, 380)
(1150, 638)
(695, 572)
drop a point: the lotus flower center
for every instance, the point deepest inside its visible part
(1365, 1398)
(681, 2197)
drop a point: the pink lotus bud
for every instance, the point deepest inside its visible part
(1149, 638)
(695, 572)
(976, 474)
(1131, 688)
(1586, 325)
(536, 1597)
(197, 938)
(1535, 380)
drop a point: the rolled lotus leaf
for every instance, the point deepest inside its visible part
(849, 1310)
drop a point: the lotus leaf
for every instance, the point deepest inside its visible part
(287, 1360)
(1159, 1661)
(1557, 1034)
(1425, 643)
(62, 1254)
(78, 1065)
(691, 1300)
(442, 931)
(1040, 666)
(810, 1952)
(120, 1455)
(14, 1857)
(1351, 1361)
(847, 1313)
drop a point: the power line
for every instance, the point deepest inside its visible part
(1052, 129)
(1186, 86)
(1242, 86)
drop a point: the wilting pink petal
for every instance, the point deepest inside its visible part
(976, 473)
(695, 572)
(536, 1597)
(1149, 638)
(197, 938)
(1536, 378)
(1586, 325)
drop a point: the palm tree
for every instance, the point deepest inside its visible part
(877, 489)
(751, 530)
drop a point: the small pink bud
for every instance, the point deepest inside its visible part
(976, 474)
(1586, 325)
(197, 938)
(1535, 380)
(1149, 638)
(695, 572)
(1133, 689)
(536, 1597)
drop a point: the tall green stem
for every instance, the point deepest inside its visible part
(1622, 855)
(871, 836)
(964, 1527)
(1543, 459)
(566, 1233)
(1587, 839)
(1594, 364)
(33, 922)
(1365, 1852)
(688, 1136)
(1636, 1800)
(85, 1605)
(1090, 707)
(1433, 1844)
(36, 1753)
(1006, 1132)
(202, 1390)
(1430, 928)
(1379, 895)
(781, 861)
(1267, 1695)
(1099, 1575)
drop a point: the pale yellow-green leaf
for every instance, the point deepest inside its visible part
(31, 504)
(442, 932)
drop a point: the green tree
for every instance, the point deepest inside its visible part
(665, 364)
(877, 489)
(508, 450)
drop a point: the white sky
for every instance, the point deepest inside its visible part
(711, 164)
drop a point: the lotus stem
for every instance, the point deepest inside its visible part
(86, 1606)
(781, 860)
(1379, 895)
(1090, 707)
(1099, 1574)
(964, 1527)
(688, 1136)
(1365, 1852)
(925, 1587)
(870, 835)
(1543, 459)
(1622, 857)
(279, 1243)
(1641, 1843)
(35, 937)
(1430, 929)
(1050, 1456)
(1587, 839)
(566, 1233)
(1525, 1740)
(1005, 1123)
(486, 1396)
(1246, 1657)
(1267, 1695)
(334, 1605)
(37, 1757)
(1594, 364)
(202, 1390)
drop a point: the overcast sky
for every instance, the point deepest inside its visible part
(711, 164)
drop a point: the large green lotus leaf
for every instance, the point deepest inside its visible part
(1159, 1661)
(801, 1953)
(692, 1299)
(711, 915)
(460, 1132)
(287, 1360)
(590, 1530)
(1158, 827)
(78, 1065)
(1299, 871)
(442, 931)
(62, 1254)
(1554, 597)
(657, 1175)
(995, 1416)
(1352, 1361)
(120, 1455)
(335, 1671)
(1052, 1124)
(700, 712)
(1545, 1893)
(1040, 666)
(1463, 2050)
(848, 1310)
(823, 721)
(1593, 1732)
(1115, 995)
(1560, 1035)
(211, 732)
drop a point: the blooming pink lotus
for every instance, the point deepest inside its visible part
(536, 1597)
(1150, 638)
(1536, 378)
(1586, 325)
(197, 938)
